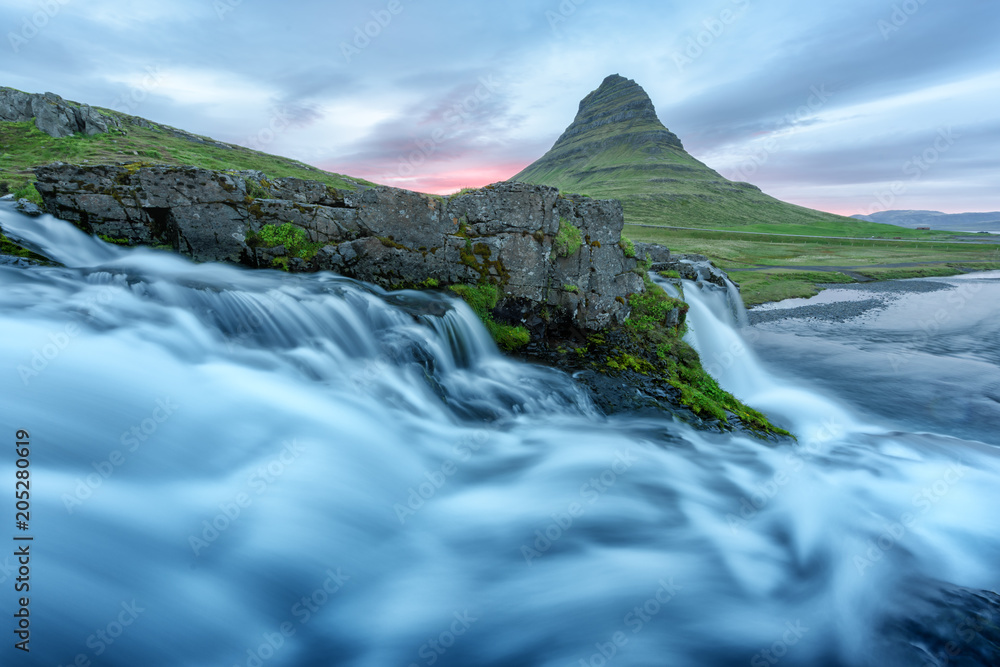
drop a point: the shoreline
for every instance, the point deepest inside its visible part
(872, 295)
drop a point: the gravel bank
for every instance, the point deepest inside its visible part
(881, 295)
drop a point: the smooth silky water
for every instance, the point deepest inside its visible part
(235, 467)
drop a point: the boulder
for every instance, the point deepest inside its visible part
(28, 207)
(52, 114)
(656, 254)
(15, 106)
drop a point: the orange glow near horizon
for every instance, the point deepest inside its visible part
(836, 210)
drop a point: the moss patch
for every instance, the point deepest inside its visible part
(483, 299)
(294, 239)
(8, 247)
(679, 363)
(627, 246)
(567, 241)
(428, 284)
(477, 256)
(648, 353)
(257, 190)
(650, 309)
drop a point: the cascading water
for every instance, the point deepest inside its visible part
(715, 332)
(708, 275)
(254, 468)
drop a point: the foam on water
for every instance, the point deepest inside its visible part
(236, 452)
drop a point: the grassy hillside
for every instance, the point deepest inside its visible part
(23, 146)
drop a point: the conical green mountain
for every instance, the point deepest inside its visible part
(618, 148)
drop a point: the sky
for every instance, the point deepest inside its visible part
(848, 106)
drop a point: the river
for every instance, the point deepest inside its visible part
(234, 467)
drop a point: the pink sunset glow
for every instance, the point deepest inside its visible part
(440, 179)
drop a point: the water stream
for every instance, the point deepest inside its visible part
(236, 467)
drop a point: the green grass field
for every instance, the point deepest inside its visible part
(789, 259)
(759, 287)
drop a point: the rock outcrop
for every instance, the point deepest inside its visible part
(552, 257)
(657, 255)
(698, 268)
(52, 114)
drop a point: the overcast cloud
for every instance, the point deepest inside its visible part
(825, 104)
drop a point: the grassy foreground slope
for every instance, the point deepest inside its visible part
(23, 146)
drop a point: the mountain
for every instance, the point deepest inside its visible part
(953, 222)
(617, 147)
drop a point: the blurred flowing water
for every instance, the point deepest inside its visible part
(249, 468)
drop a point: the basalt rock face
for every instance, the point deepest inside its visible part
(504, 234)
(52, 114)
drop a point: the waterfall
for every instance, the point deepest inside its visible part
(55, 239)
(253, 468)
(716, 322)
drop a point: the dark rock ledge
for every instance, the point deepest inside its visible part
(511, 235)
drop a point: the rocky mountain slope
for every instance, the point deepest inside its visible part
(617, 147)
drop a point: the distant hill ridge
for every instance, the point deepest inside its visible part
(966, 222)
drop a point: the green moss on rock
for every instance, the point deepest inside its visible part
(8, 247)
(294, 239)
(115, 241)
(567, 241)
(627, 246)
(647, 352)
(483, 300)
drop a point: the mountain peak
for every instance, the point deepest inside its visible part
(616, 135)
(623, 105)
(612, 79)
